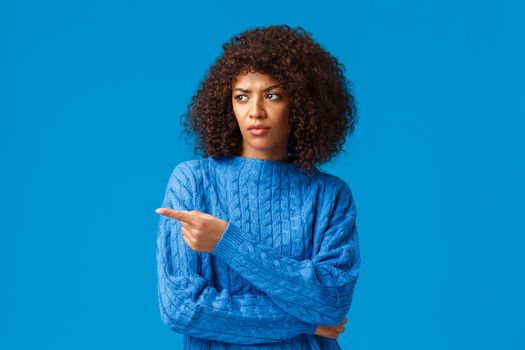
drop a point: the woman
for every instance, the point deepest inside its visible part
(257, 248)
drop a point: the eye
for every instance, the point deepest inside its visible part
(237, 97)
(278, 96)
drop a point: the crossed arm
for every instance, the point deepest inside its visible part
(312, 292)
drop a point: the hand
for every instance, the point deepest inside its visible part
(201, 231)
(331, 331)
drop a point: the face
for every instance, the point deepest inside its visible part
(257, 99)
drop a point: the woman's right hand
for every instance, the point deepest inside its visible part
(331, 332)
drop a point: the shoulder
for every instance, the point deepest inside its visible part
(335, 184)
(185, 174)
(182, 184)
(341, 197)
(186, 170)
(187, 166)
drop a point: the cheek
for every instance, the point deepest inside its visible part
(239, 112)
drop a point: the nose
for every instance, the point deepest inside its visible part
(257, 109)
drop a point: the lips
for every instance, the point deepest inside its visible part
(259, 131)
(258, 127)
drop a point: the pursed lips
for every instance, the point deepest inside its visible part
(258, 127)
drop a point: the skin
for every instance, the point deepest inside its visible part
(252, 105)
(255, 101)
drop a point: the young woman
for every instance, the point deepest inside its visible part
(258, 248)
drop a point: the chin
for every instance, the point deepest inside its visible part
(262, 148)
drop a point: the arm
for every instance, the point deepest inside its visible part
(190, 305)
(317, 290)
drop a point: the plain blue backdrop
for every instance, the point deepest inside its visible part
(91, 94)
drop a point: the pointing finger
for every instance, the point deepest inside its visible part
(186, 216)
(172, 213)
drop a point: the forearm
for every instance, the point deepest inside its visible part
(305, 290)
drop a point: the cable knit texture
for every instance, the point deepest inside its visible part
(287, 261)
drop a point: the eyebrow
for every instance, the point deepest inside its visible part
(267, 89)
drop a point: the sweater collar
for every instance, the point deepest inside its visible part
(257, 165)
(256, 161)
(260, 168)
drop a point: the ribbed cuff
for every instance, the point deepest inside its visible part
(228, 246)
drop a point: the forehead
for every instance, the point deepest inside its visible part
(253, 80)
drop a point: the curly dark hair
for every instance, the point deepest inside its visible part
(322, 108)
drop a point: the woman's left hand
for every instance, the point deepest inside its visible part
(201, 231)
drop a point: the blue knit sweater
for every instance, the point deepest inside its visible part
(287, 261)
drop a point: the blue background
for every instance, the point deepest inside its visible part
(91, 94)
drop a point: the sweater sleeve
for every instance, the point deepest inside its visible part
(188, 302)
(317, 290)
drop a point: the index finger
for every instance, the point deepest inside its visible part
(182, 215)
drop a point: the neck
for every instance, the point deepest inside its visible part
(276, 157)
